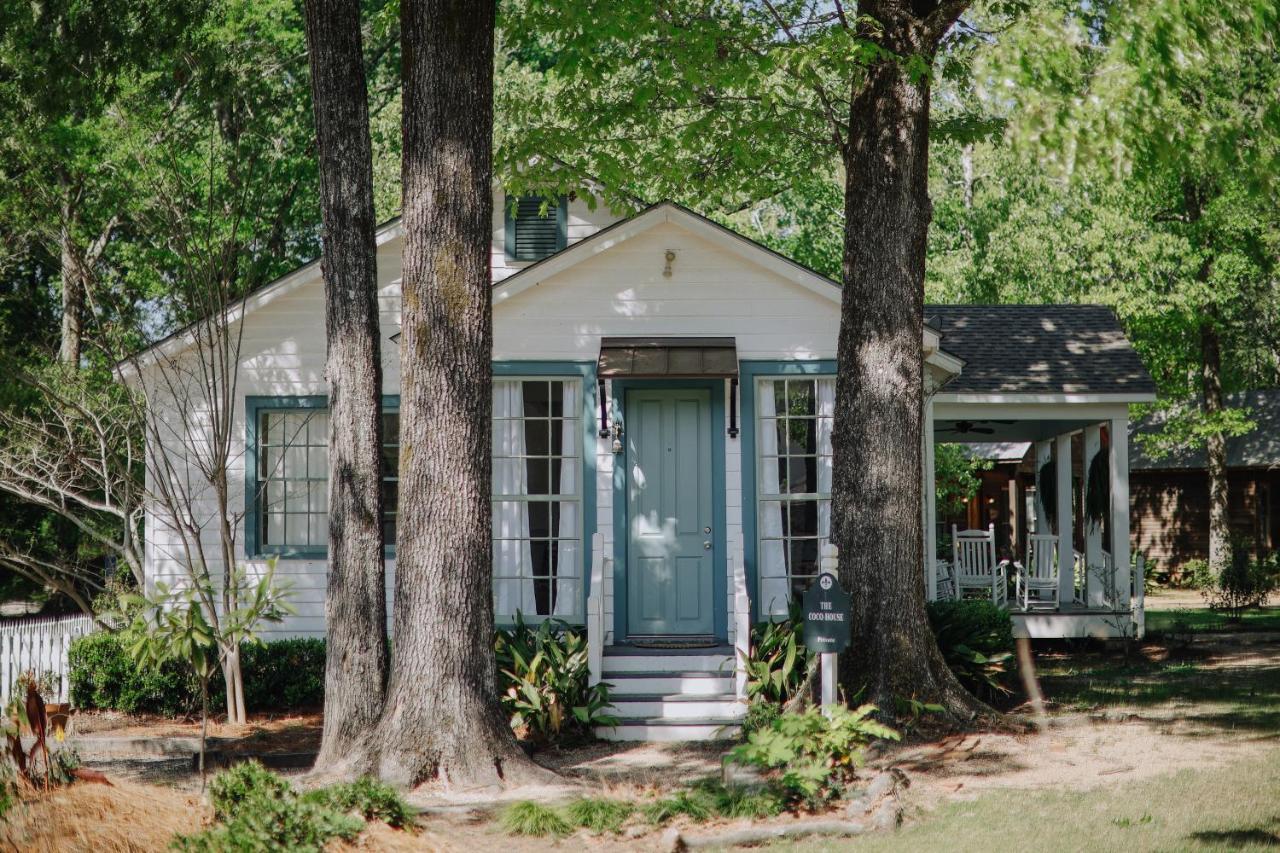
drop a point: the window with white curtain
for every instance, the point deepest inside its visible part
(537, 498)
(794, 418)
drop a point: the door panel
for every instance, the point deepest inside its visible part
(670, 569)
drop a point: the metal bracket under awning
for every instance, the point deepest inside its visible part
(663, 358)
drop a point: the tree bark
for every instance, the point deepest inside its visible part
(877, 472)
(442, 718)
(73, 294)
(1215, 447)
(355, 598)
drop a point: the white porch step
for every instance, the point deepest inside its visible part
(677, 707)
(621, 660)
(667, 683)
(668, 731)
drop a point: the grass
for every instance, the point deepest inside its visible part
(1225, 808)
(1229, 698)
(534, 819)
(599, 815)
(1200, 620)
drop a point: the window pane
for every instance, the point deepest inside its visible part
(801, 399)
(537, 438)
(564, 476)
(802, 436)
(390, 427)
(537, 399)
(802, 472)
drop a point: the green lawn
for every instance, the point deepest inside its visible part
(1200, 620)
(1222, 808)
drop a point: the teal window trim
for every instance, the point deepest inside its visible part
(749, 373)
(253, 407)
(586, 371)
(561, 210)
(720, 566)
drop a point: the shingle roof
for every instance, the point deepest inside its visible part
(1039, 349)
(1258, 448)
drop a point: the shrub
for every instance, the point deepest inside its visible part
(282, 675)
(779, 661)
(103, 676)
(544, 678)
(529, 818)
(369, 798)
(976, 641)
(1243, 584)
(809, 757)
(1196, 574)
(257, 810)
(739, 801)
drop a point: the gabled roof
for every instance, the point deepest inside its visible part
(1041, 349)
(1258, 448)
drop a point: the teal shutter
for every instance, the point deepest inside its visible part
(530, 236)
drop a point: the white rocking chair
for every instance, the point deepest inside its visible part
(944, 581)
(1036, 583)
(975, 566)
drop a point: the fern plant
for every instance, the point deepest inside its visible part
(544, 677)
(812, 757)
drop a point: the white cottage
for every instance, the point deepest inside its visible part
(663, 401)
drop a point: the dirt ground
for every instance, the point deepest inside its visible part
(1113, 721)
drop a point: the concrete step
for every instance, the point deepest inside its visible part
(669, 683)
(667, 731)
(677, 707)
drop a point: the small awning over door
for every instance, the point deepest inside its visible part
(657, 358)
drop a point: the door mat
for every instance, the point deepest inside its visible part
(673, 642)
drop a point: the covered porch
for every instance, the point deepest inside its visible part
(1049, 536)
(1060, 537)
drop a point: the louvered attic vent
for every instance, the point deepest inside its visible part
(531, 236)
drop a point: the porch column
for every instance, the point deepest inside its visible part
(1066, 546)
(1118, 429)
(930, 508)
(1015, 518)
(1044, 452)
(1094, 593)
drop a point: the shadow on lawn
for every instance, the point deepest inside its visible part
(1254, 836)
(1227, 690)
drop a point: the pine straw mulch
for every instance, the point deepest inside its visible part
(263, 732)
(119, 818)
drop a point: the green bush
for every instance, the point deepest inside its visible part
(545, 684)
(256, 810)
(103, 676)
(1196, 574)
(976, 641)
(283, 675)
(369, 798)
(599, 814)
(809, 757)
(1243, 584)
(779, 661)
(534, 819)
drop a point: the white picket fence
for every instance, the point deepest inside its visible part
(40, 646)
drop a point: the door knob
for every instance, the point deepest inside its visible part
(706, 546)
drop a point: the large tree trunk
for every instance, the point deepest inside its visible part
(879, 389)
(1215, 447)
(442, 718)
(355, 599)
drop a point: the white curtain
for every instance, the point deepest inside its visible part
(512, 557)
(826, 415)
(568, 560)
(774, 588)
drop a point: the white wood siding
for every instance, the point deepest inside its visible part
(621, 292)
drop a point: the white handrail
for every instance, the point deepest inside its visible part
(40, 647)
(741, 628)
(595, 611)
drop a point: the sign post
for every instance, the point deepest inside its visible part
(826, 622)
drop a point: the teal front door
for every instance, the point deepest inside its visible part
(670, 561)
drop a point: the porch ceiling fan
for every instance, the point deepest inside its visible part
(966, 427)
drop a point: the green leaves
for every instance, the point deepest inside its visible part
(811, 756)
(779, 662)
(544, 682)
